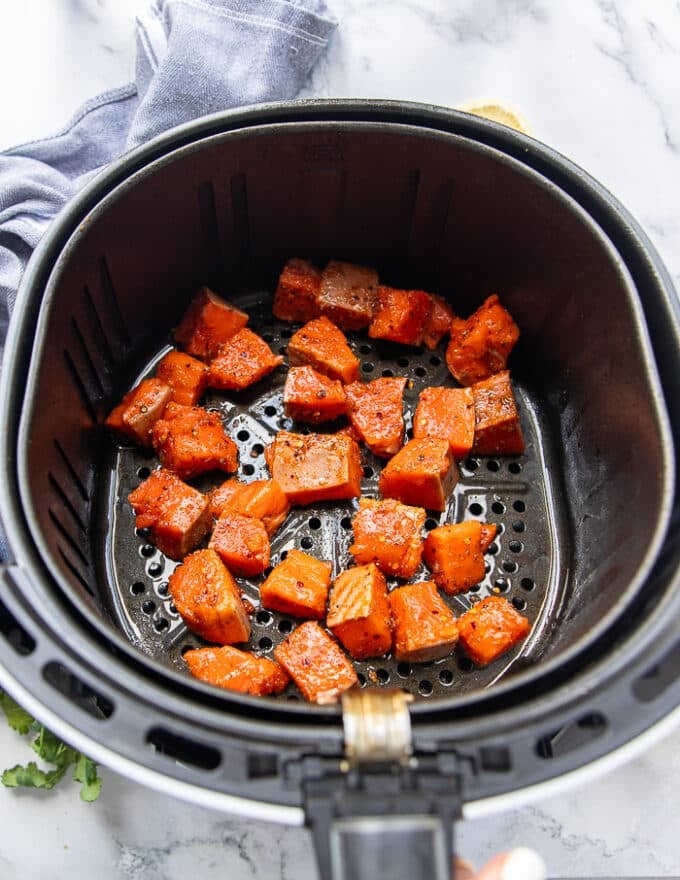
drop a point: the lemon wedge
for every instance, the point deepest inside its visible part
(497, 113)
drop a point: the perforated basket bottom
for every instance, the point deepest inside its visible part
(526, 563)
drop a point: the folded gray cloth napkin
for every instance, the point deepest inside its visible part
(194, 57)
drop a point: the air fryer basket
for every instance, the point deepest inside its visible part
(435, 200)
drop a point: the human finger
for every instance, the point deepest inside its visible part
(463, 870)
(521, 863)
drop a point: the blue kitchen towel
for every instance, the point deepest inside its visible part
(194, 57)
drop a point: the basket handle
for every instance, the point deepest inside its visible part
(390, 848)
(383, 813)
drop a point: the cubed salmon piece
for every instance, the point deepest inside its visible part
(263, 499)
(298, 586)
(480, 345)
(323, 346)
(309, 396)
(497, 426)
(186, 376)
(176, 515)
(243, 360)
(438, 321)
(388, 533)
(190, 440)
(316, 663)
(236, 670)
(207, 324)
(449, 414)
(400, 315)
(297, 292)
(349, 431)
(316, 467)
(242, 543)
(490, 628)
(424, 627)
(375, 410)
(422, 474)
(207, 597)
(453, 553)
(488, 534)
(138, 411)
(359, 612)
(348, 294)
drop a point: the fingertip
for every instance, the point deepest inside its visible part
(521, 863)
(463, 870)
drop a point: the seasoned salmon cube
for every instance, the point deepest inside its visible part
(400, 315)
(348, 431)
(490, 628)
(424, 627)
(309, 396)
(316, 663)
(298, 586)
(497, 426)
(422, 473)
(488, 534)
(480, 345)
(186, 376)
(242, 543)
(447, 413)
(348, 294)
(297, 292)
(138, 411)
(207, 324)
(236, 670)
(453, 553)
(359, 612)
(375, 410)
(438, 321)
(176, 515)
(263, 499)
(190, 440)
(207, 597)
(316, 467)
(388, 533)
(243, 360)
(323, 346)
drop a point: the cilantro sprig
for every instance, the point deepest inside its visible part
(52, 751)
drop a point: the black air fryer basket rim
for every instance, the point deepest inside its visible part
(514, 682)
(618, 222)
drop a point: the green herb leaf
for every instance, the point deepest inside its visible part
(18, 718)
(52, 751)
(85, 772)
(31, 776)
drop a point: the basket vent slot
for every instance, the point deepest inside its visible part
(96, 329)
(572, 736)
(496, 759)
(111, 299)
(73, 473)
(81, 387)
(66, 501)
(654, 681)
(180, 748)
(87, 358)
(77, 691)
(262, 765)
(22, 642)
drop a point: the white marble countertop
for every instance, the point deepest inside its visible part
(598, 80)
